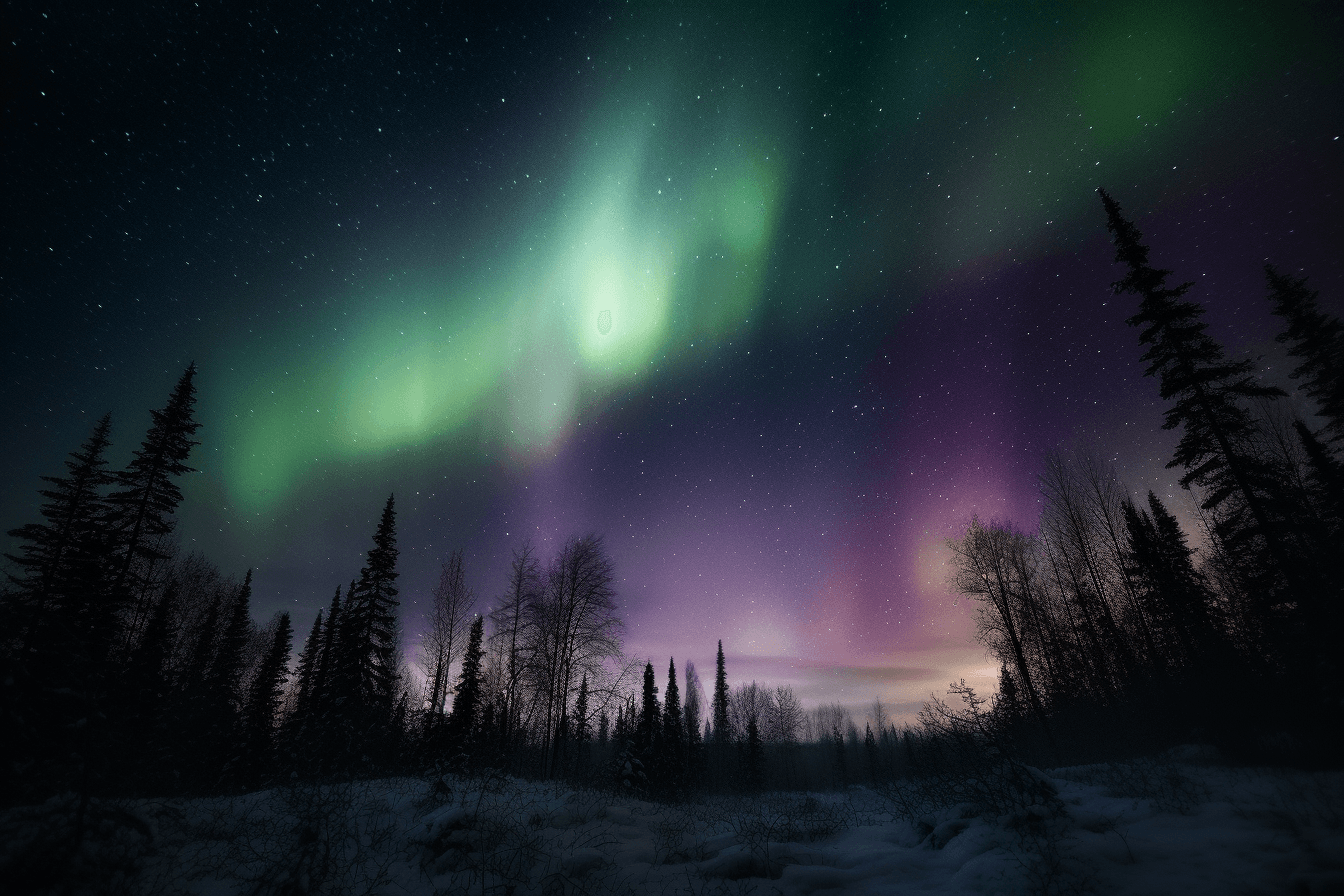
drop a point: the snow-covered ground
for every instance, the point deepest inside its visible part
(1137, 828)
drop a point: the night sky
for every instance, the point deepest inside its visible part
(774, 297)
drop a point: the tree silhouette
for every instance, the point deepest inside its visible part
(263, 705)
(511, 636)
(223, 698)
(1207, 391)
(1173, 593)
(574, 629)
(365, 671)
(467, 702)
(60, 558)
(673, 749)
(722, 729)
(1316, 339)
(445, 637)
(646, 734)
(148, 495)
(306, 673)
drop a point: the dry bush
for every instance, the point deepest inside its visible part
(768, 825)
(1156, 779)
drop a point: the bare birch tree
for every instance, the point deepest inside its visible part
(446, 635)
(576, 631)
(510, 638)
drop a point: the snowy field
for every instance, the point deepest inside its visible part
(1136, 828)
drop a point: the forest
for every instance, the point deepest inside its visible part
(133, 673)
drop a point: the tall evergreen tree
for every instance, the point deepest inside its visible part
(320, 693)
(722, 728)
(309, 660)
(56, 627)
(59, 558)
(263, 705)
(646, 735)
(202, 654)
(368, 653)
(1207, 391)
(673, 732)
(226, 672)
(1316, 340)
(148, 495)
(673, 752)
(1173, 594)
(467, 702)
(222, 697)
(1327, 482)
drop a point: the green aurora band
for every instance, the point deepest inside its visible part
(668, 214)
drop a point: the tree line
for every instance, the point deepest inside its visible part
(127, 667)
(130, 668)
(1107, 613)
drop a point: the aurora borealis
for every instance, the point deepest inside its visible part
(775, 297)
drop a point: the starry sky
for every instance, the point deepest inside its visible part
(773, 296)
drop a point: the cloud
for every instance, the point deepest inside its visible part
(872, 674)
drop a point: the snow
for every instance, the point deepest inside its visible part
(1153, 827)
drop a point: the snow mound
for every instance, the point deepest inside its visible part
(1155, 827)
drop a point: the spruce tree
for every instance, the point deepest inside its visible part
(672, 727)
(674, 735)
(1316, 340)
(368, 654)
(1207, 391)
(1326, 479)
(223, 698)
(319, 696)
(722, 729)
(56, 627)
(1170, 590)
(263, 704)
(59, 558)
(226, 672)
(148, 495)
(309, 661)
(297, 731)
(202, 654)
(462, 722)
(649, 722)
